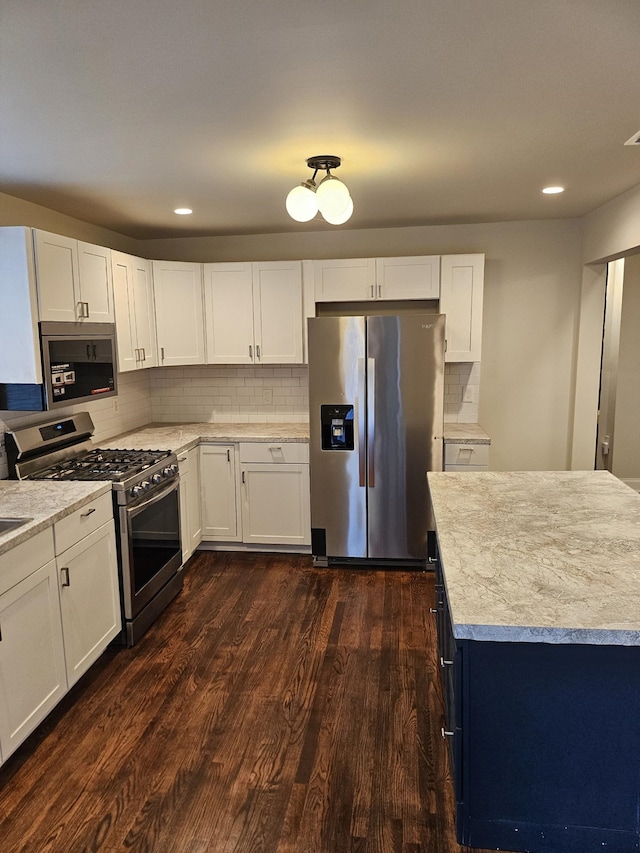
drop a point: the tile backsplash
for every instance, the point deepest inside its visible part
(241, 394)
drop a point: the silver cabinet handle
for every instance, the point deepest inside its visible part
(433, 610)
(275, 448)
(66, 581)
(243, 479)
(182, 459)
(444, 662)
(144, 354)
(258, 351)
(250, 351)
(228, 455)
(162, 353)
(379, 291)
(446, 733)
(88, 512)
(137, 354)
(372, 291)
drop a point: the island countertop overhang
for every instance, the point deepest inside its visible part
(549, 557)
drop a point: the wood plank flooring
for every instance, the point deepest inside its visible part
(273, 708)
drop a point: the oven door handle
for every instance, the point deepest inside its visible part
(135, 510)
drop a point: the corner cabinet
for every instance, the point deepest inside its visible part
(74, 279)
(134, 312)
(275, 493)
(461, 296)
(179, 312)
(254, 313)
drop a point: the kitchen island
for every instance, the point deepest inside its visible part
(538, 609)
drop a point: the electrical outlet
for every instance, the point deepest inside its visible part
(267, 396)
(467, 394)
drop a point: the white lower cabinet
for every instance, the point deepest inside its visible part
(220, 511)
(275, 494)
(89, 598)
(190, 502)
(32, 666)
(459, 456)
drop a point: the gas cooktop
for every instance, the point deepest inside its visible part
(97, 464)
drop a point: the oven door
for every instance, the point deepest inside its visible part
(151, 549)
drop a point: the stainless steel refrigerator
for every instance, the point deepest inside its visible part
(376, 397)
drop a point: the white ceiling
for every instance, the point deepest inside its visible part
(443, 111)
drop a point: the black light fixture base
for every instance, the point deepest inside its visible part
(324, 162)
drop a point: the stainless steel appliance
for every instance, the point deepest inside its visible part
(146, 507)
(78, 364)
(376, 396)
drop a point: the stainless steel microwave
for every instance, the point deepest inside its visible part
(78, 365)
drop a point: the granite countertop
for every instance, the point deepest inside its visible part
(465, 434)
(551, 557)
(44, 503)
(181, 437)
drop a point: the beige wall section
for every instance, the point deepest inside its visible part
(609, 232)
(612, 230)
(16, 211)
(626, 458)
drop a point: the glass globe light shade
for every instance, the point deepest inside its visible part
(342, 217)
(332, 195)
(301, 202)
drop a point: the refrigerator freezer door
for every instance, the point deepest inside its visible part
(406, 411)
(336, 378)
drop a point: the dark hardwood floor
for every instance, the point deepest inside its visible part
(273, 707)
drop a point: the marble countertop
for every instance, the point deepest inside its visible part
(182, 437)
(551, 557)
(465, 434)
(42, 502)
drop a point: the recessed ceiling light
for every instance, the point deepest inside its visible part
(553, 190)
(183, 211)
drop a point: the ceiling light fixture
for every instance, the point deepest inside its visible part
(183, 211)
(330, 196)
(553, 190)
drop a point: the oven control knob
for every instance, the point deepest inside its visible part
(157, 478)
(136, 491)
(170, 470)
(145, 484)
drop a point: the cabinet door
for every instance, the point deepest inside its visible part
(57, 275)
(122, 270)
(348, 280)
(96, 290)
(275, 504)
(461, 292)
(89, 599)
(228, 293)
(32, 669)
(190, 502)
(219, 492)
(179, 312)
(277, 305)
(408, 278)
(145, 324)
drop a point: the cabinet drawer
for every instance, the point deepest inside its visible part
(463, 455)
(274, 452)
(25, 558)
(83, 521)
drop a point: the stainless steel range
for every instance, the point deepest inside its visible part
(146, 507)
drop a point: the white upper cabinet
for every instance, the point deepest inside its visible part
(461, 294)
(408, 278)
(228, 294)
(364, 279)
(179, 312)
(73, 279)
(347, 280)
(135, 321)
(254, 313)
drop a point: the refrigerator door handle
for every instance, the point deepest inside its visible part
(371, 419)
(360, 416)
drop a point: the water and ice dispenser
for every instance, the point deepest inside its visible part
(337, 427)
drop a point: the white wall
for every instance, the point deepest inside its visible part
(626, 451)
